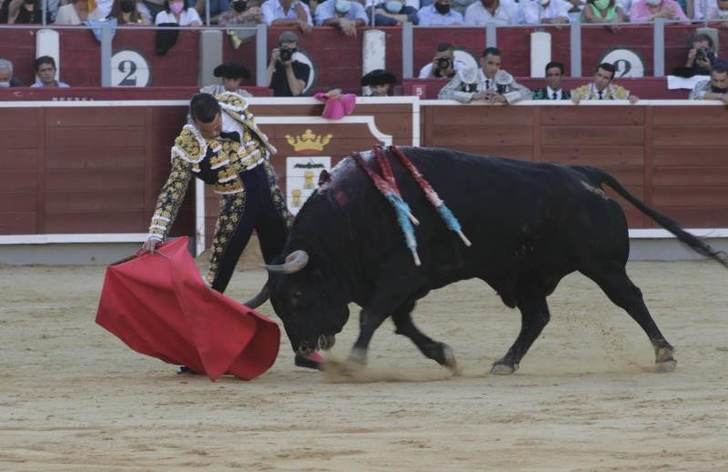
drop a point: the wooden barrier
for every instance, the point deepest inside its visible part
(96, 167)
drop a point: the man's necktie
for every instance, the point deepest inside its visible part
(487, 84)
(555, 96)
(600, 94)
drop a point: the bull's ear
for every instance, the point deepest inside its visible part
(324, 177)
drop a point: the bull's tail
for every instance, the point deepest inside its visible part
(598, 178)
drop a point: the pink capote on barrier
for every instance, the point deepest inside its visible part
(336, 106)
(159, 305)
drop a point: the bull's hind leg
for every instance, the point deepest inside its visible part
(437, 351)
(622, 292)
(534, 318)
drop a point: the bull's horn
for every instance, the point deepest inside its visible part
(295, 261)
(260, 298)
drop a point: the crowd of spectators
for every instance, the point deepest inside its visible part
(348, 14)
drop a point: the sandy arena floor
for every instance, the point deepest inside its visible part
(74, 398)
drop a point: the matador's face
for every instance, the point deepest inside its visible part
(212, 129)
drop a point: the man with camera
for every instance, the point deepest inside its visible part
(700, 56)
(714, 89)
(488, 84)
(443, 65)
(286, 76)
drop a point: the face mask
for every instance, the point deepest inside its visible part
(393, 6)
(442, 9)
(342, 6)
(127, 6)
(240, 6)
(177, 7)
(601, 4)
(653, 3)
(544, 2)
(4, 84)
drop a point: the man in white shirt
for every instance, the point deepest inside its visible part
(500, 12)
(45, 70)
(346, 15)
(443, 65)
(287, 13)
(487, 84)
(537, 12)
(440, 14)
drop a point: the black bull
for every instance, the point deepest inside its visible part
(531, 224)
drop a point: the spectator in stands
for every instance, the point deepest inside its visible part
(24, 12)
(217, 8)
(553, 89)
(602, 87)
(443, 65)
(380, 82)
(73, 14)
(130, 13)
(45, 71)
(709, 10)
(232, 75)
(245, 13)
(714, 89)
(287, 76)
(440, 13)
(6, 75)
(643, 11)
(178, 12)
(393, 13)
(603, 11)
(489, 83)
(538, 12)
(287, 13)
(346, 15)
(500, 12)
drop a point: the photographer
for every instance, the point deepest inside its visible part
(443, 65)
(700, 56)
(286, 76)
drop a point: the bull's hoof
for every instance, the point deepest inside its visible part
(503, 369)
(666, 366)
(357, 357)
(449, 360)
(664, 354)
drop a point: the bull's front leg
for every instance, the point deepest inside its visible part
(369, 321)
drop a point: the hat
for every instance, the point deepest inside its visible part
(231, 70)
(287, 37)
(378, 77)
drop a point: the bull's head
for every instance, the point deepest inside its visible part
(307, 300)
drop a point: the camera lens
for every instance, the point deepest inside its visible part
(443, 63)
(286, 54)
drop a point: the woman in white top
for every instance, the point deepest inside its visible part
(179, 12)
(73, 14)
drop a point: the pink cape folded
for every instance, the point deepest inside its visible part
(338, 106)
(159, 305)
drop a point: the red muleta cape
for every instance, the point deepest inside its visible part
(159, 305)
